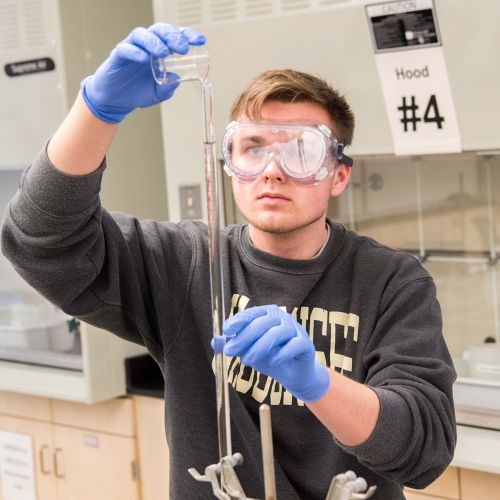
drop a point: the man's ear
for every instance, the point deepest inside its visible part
(340, 179)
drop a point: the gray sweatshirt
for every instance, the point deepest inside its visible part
(371, 312)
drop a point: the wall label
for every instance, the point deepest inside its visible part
(17, 475)
(23, 68)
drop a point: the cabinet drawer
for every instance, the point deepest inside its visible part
(22, 405)
(476, 484)
(445, 486)
(114, 417)
(411, 495)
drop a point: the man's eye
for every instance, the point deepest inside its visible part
(254, 151)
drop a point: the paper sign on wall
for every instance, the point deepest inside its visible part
(412, 71)
(17, 475)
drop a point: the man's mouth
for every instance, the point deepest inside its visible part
(272, 196)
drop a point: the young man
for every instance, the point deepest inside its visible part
(339, 334)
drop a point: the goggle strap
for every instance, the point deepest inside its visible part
(341, 157)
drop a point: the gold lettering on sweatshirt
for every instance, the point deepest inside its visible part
(258, 393)
(238, 303)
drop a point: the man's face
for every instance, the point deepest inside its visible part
(273, 202)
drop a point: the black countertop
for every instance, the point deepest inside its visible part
(143, 376)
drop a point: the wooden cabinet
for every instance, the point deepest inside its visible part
(95, 465)
(478, 485)
(41, 435)
(413, 495)
(79, 451)
(445, 486)
(459, 484)
(153, 449)
(117, 449)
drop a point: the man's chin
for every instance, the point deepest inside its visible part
(274, 228)
(268, 225)
(278, 225)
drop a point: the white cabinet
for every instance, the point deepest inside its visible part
(77, 36)
(478, 449)
(102, 376)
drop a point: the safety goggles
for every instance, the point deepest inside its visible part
(308, 154)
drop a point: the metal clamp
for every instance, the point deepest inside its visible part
(231, 489)
(347, 486)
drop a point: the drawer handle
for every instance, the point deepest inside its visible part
(43, 462)
(57, 463)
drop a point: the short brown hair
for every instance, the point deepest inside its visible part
(288, 85)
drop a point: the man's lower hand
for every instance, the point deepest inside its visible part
(269, 340)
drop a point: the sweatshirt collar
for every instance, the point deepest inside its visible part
(316, 264)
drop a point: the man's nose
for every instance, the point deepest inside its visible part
(272, 170)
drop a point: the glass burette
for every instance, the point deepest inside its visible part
(194, 66)
(216, 276)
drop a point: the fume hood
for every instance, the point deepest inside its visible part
(441, 204)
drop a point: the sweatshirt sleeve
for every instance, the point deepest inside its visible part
(100, 267)
(411, 371)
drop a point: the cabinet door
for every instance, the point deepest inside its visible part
(445, 486)
(41, 434)
(153, 448)
(94, 465)
(478, 485)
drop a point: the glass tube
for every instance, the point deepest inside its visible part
(216, 276)
(194, 66)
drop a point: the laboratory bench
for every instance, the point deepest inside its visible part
(473, 474)
(116, 448)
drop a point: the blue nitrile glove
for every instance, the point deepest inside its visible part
(124, 81)
(271, 341)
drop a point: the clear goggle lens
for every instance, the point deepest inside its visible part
(302, 152)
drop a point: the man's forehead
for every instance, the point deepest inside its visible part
(295, 113)
(274, 120)
(301, 111)
(262, 134)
